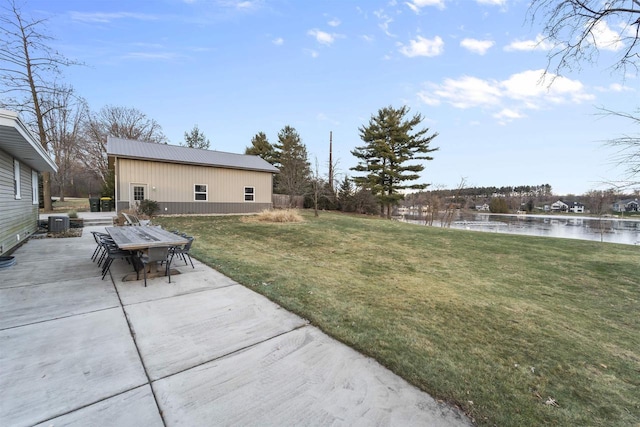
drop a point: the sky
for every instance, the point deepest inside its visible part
(471, 68)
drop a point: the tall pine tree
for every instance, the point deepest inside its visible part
(260, 146)
(387, 158)
(292, 160)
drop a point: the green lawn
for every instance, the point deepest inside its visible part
(500, 325)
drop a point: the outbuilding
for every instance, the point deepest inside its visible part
(21, 159)
(186, 180)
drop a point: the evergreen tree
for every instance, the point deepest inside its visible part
(196, 139)
(391, 144)
(261, 147)
(291, 158)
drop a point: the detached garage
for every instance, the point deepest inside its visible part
(188, 180)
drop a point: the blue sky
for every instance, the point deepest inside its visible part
(471, 67)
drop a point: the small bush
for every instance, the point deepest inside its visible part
(73, 214)
(283, 215)
(148, 207)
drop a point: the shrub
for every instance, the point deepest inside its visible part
(73, 214)
(148, 207)
(280, 215)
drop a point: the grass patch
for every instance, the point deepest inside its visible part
(494, 323)
(280, 215)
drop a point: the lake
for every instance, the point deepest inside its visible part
(611, 230)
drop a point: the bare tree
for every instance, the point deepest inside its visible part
(119, 122)
(63, 126)
(29, 69)
(580, 29)
(600, 205)
(628, 149)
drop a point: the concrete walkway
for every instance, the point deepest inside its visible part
(200, 351)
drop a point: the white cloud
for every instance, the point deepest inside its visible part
(606, 38)
(278, 41)
(468, 92)
(334, 22)
(540, 43)
(367, 38)
(323, 37)
(508, 115)
(423, 47)
(477, 46)
(153, 56)
(529, 90)
(416, 5)
(384, 22)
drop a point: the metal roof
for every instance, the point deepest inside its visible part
(17, 140)
(131, 149)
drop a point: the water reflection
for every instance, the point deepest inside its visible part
(605, 230)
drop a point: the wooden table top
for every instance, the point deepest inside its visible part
(136, 238)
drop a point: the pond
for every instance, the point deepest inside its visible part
(611, 230)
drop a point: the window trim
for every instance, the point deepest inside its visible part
(205, 192)
(16, 179)
(251, 193)
(35, 193)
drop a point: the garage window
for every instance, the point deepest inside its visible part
(200, 192)
(249, 194)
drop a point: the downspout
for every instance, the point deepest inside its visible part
(115, 184)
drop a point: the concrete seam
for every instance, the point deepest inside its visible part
(234, 352)
(144, 367)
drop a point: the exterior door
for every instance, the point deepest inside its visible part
(137, 193)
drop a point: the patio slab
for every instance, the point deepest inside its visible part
(54, 367)
(22, 305)
(133, 408)
(300, 378)
(181, 332)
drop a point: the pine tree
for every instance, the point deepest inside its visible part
(261, 147)
(196, 139)
(291, 158)
(391, 144)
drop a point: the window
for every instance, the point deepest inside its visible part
(34, 188)
(249, 193)
(138, 193)
(200, 191)
(16, 178)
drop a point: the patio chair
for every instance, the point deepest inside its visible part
(131, 219)
(112, 252)
(158, 254)
(183, 251)
(98, 250)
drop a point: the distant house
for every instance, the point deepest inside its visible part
(483, 207)
(627, 205)
(576, 207)
(21, 159)
(559, 206)
(188, 180)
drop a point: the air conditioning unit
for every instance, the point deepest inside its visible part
(58, 224)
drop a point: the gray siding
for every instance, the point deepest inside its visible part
(188, 208)
(18, 218)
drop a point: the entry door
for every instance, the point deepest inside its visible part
(137, 193)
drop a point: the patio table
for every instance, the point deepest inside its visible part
(143, 238)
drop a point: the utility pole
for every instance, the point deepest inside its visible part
(331, 160)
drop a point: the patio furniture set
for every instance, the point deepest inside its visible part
(146, 247)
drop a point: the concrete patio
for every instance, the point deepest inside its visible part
(200, 351)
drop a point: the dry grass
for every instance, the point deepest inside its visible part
(280, 215)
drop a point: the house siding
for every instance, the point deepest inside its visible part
(172, 186)
(18, 218)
